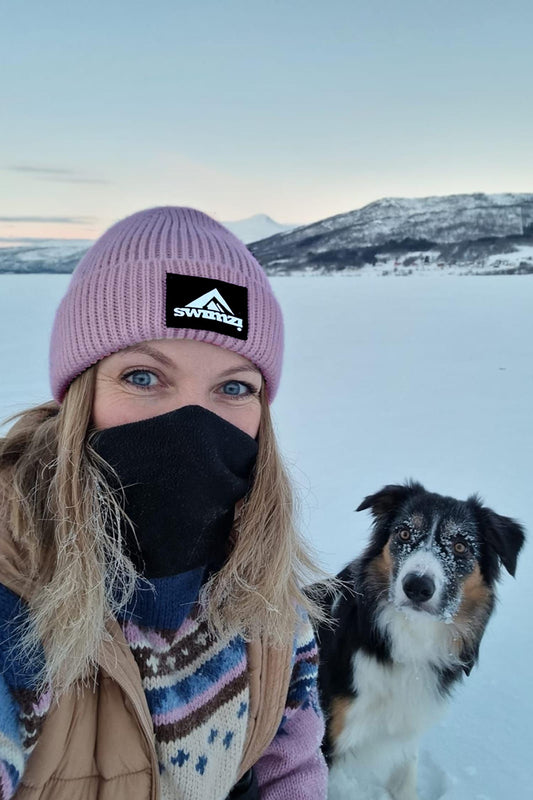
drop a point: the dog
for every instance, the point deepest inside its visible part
(406, 622)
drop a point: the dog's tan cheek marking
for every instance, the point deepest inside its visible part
(381, 567)
(337, 719)
(475, 604)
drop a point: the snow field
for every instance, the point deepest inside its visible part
(429, 378)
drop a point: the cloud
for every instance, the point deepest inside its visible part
(45, 170)
(59, 220)
(71, 180)
(53, 174)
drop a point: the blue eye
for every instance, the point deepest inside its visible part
(141, 378)
(236, 388)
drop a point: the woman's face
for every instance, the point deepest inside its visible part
(155, 377)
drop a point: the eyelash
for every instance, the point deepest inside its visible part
(252, 390)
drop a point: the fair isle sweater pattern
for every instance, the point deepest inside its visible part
(197, 693)
(22, 709)
(293, 765)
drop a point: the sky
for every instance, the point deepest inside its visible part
(297, 109)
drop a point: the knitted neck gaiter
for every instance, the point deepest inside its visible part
(181, 474)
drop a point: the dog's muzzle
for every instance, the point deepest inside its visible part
(420, 584)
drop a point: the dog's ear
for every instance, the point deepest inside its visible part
(389, 498)
(503, 535)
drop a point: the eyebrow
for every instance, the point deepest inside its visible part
(167, 362)
(241, 368)
(148, 351)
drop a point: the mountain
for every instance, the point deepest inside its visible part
(42, 255)
(461, 234)
(260, 226)
(469, 233)
(62, 255)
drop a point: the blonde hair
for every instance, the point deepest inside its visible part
(66, 522)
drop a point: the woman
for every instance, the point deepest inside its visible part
(155, 638)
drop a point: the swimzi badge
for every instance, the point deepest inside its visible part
(206, 304)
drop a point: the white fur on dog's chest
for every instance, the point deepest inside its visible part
(394, 703)
(398, 700)
(379, 741)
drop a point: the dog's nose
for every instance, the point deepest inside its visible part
(418, 588)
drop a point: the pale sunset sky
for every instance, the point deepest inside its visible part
(299, 110)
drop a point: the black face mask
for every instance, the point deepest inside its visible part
(182, 474)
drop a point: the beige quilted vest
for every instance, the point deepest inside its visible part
(99, 745)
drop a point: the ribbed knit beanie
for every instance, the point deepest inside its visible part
(166, 273)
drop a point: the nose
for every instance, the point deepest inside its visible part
(190, 394)
(418, 588)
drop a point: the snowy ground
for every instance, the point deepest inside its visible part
(430, 378)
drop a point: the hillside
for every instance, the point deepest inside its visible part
(460, 233)
(62, 255)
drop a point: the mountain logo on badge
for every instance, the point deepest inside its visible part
(210, 305)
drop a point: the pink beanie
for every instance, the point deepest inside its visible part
(166, 273)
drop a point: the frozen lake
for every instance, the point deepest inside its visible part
(385, 379)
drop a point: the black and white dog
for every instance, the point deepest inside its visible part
(407, 625)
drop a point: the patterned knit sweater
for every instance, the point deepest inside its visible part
(197, 692)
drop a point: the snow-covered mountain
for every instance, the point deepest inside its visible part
(260, 226)
(42, 255)
(62, 255)
(460, 233)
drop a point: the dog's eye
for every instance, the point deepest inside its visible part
(460, 548)
(404, 535)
